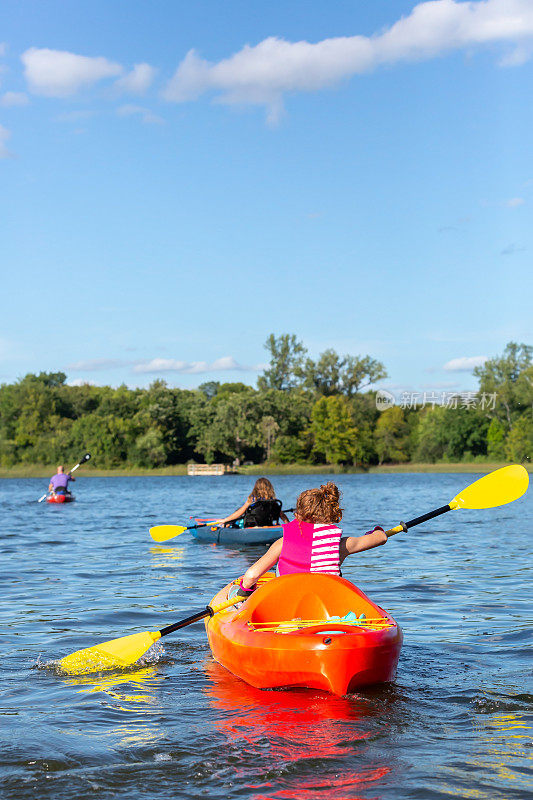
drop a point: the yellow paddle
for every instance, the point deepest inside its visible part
(162, 533)
(127, 650)
(495, 489)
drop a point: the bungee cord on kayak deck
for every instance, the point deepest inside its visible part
(288, 626)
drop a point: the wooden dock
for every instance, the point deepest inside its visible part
(209, 469)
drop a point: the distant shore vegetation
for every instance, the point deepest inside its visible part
(303, 412)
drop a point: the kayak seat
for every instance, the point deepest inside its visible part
(262, 513)
(308, 596)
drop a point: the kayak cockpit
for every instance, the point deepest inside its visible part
(310, 597)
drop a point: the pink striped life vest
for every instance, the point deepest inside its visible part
(310, 547)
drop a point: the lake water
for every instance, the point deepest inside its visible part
(456, 723)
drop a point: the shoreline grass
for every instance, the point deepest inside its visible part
(45, 471)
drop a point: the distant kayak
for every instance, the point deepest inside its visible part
(60, 498)
(219, 535)
(305, 630)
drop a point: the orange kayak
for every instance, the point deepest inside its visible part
(305, 630)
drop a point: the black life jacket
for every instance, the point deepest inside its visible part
(262, 513)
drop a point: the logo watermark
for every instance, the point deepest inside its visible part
(384, 399)
(468, 400)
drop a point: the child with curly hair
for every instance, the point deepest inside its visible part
(312, 542)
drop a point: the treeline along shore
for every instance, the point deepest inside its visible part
(303, 415)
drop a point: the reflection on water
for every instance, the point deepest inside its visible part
(134, 693)
(167, 554)
(506, 741)
(141, 680)
(301, 729)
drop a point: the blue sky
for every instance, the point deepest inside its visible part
(181, 179)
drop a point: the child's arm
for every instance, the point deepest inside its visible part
(236, 514)
(262, 565)
(356, 544)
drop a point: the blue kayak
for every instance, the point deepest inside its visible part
(215, 534)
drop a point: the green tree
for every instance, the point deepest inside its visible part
(286, 363)
(110, 440)
(234, 427)
(365, 416)
(519, 445)
(149, 450)
(335, 435)
(324, 375)
(496, 436)
(392, 435)
(291, 411)
(169, 412)
(360, 372)
(209, 388)
(333, 374)
(510, 379)
(451, 434)
(430, 435)
(269, 429)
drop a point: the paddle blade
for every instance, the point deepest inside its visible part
(162, 533)
(121, 652)
(496, 489)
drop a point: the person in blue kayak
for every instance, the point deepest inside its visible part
(59, 482)
(260, 509)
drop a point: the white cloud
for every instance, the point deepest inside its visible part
(226, 362)
(58, 73)
(261, 74)
(161, 365)
(157, 365)
(138, 80)
(465, 363)
(146, 115)
(97, 364)
(4, 136)
(3, 48)
(14, 99)
(515, 202)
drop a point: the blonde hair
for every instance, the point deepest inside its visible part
(319, 505)
(263, 490)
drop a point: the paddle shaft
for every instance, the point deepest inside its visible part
(404, 526)
(208, 611)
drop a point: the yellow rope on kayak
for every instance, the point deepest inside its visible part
(289, 626)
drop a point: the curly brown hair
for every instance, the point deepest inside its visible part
(263, 490)
(319, 505)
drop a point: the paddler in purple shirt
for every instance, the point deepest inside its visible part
(59, 482)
